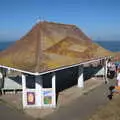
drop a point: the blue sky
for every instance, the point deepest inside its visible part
(99, 19)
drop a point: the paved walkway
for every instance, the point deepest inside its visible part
(78, 109)
(64, 97)
(83, 107)
(9, 113)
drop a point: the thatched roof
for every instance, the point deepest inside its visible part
(49, 46)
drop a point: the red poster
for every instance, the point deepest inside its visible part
(30, 98)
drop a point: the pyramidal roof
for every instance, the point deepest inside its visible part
(49, 46)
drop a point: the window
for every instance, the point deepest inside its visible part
(30, 82)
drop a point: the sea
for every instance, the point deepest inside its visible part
(110, 45)
(5, 44)
(113, 46)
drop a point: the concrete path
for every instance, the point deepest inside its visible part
(83, 107)
(10, 113)
(79, 109)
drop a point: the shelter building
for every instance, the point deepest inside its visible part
(46, 51)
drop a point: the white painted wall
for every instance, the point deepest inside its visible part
(80, 77)
(38, 90)
(54, 90)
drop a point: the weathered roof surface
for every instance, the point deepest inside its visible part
(49, 46)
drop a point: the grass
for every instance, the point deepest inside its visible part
(109, 112)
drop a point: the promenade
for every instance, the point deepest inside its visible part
(73, 103)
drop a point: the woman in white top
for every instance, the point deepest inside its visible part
(118, 78)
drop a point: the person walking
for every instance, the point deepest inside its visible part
(118, 77)
(116, 88)
(111, 69)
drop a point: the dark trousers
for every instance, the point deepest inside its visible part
(112, 74)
